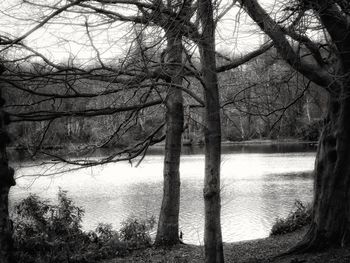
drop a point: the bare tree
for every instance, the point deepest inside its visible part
(328, 65)
(151, 77)
(7, 173)
(212, 132)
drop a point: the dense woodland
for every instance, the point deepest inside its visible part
(166, 80)
(263, 99)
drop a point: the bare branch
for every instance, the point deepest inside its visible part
(42, 23)
(50, 115)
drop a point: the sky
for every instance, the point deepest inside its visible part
(66, 38)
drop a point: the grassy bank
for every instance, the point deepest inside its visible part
(260, 250)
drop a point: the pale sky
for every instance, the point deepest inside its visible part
(236, 34)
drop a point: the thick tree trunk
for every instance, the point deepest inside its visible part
(168, 224)
(331, 216)
(331, 208)
(211, 192)
(6, 181)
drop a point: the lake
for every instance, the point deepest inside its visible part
(258, 185)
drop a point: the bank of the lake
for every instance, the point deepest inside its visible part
(264, 250)
(270, 142)
(73, 150)
(258, 185)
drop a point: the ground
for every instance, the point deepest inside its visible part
(260, 250)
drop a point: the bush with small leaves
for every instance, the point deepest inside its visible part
(108, 241)
(47, 233)
(136, 232)
(297, 219)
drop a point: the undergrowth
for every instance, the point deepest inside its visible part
(48, 233)
(297, 219)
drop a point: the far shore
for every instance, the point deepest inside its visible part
(73, 150)
(269, 142)
(161, 144)
(251, 142)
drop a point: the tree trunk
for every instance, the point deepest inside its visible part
(168, 224)
(331, 219)
(331, 208)
(307, 108)
(211, 192)
(331, 211)
(6, 181)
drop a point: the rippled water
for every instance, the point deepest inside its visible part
(254, 191)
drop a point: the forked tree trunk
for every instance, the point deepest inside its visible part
(168, 224)
(6, 181)
(331, 219)
(211, 192)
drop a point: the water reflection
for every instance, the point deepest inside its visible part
(254, 192)
(244, 148)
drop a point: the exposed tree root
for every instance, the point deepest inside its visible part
(313, 241)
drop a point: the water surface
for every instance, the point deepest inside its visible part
(255, 190)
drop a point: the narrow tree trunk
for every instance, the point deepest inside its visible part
(249, 128)
(6, 181)
(211, 192)
(307, 107)
(168, 224)
(241, 126)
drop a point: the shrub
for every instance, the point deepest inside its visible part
(136, 232)
(107, 241)
(105, 232)
(49, 233)
(297, 219)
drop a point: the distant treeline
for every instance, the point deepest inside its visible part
(262, 99)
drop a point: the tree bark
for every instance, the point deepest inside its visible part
(331, 216)
(168, 224)
(211, 192)
(6, 181)
(331, 207)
